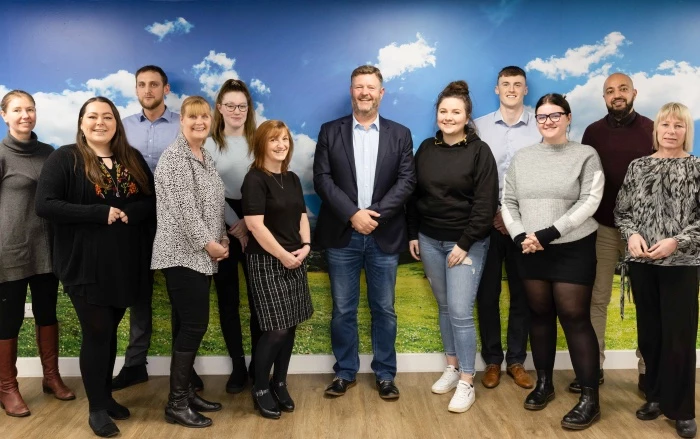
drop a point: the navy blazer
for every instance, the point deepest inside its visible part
(335, 181)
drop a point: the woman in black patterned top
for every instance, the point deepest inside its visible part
(98, 194)
(658, 213)
(275, 213)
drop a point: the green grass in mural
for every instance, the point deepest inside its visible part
(415, 307)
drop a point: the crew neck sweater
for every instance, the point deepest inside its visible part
(456, 195)
(617, 144)
(553, 185)
(232, 165)
(25, 238)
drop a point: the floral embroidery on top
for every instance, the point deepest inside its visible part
(124, 185)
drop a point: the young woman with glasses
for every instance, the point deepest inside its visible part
(230, 146)
(550, 193)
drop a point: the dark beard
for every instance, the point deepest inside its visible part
(621, 114)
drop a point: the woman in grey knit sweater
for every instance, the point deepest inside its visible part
(658, 213)
(550, 193)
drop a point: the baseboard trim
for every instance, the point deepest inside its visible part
(218, 365)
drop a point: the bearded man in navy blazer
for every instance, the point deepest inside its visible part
(364, 173)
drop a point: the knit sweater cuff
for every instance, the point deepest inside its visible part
(518, 240)
(545, 236)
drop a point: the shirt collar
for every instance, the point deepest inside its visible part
(525, 117)
(625, 121)
(375, 122)
(167, 115)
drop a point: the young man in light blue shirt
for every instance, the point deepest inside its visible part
(506, 131)
(150, 131)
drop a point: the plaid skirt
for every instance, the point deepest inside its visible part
(280, 295)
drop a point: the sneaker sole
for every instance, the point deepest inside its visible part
(443, 391)
(580, 426)
(459, 409)
(536, 407)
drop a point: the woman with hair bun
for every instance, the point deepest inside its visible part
(449, 219)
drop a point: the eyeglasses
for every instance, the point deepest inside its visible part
(554, 117)
(231, 107)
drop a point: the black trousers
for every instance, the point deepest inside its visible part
(189, 297)
(98, 350)
(667, 327)
(488, 297)
(13, 294)
(228, 294)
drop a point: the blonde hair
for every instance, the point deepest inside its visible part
(678, 111)
(195, 106)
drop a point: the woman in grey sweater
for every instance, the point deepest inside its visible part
(550, 193)
(658, 213)
(25, 254)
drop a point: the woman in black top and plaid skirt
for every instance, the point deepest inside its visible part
(275, 213)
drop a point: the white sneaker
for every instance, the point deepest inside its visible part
(463, 398)
(447, 382)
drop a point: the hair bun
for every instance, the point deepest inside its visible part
(460, 87)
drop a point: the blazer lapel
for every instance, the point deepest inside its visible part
(384, 138)
(346, 136)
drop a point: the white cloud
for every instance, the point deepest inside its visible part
(161, 30)
(259, 86)
(578, 61)
(396, 60)
(671, 81)
(214, 69)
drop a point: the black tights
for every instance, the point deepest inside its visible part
(274, 348)
(98, 350)
(13, 294)
(572, 304)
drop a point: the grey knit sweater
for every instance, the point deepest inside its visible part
(553, 185)
(25, 241)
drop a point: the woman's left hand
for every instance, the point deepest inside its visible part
(663, 248)
(456, 256)
(302, 253)
(239, 229)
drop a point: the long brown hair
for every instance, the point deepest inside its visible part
(266, 131)
(217, 128)
(122, 151)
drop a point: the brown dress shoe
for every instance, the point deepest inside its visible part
(520, 376)
(492, 376)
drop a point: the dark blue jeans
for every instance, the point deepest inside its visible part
(344, 267)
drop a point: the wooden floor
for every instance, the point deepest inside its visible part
(497, 413)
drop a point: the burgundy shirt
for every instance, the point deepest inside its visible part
(617, 144)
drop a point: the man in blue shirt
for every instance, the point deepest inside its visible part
(150, 131)
(506, 131)
(363, 173)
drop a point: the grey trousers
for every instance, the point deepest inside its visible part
(140, 330)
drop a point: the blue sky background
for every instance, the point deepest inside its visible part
(303, 53)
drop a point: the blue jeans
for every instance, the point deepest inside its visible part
(344, 267)
(455, 291)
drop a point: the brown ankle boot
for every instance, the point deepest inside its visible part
(47, 343)
(10, 399)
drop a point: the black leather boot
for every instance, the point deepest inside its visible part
(178, 409)
(281, 395)
(686, 428)
(200, 404)
(239, 376)
(585, 413)
(265, 404)
(543, 392)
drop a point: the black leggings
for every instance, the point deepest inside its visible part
(274, 348)
(98, 349)
(572, 304)
(13, 294)
(189, 296)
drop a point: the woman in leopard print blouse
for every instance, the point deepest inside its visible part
(658, 213)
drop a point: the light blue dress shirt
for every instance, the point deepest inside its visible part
(151, 138)
(505, 140)
(365, 144)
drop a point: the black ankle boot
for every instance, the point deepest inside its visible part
(585, 413)
(543, 393)
(239, 376)
(102, 425)
(686, 428)
(265, 404)
(281, 395)
(178, 409)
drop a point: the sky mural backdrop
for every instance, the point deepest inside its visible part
(297, 56)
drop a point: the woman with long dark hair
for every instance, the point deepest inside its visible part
(98, 194)
(231, 148)
(25, 254)
(551, 191)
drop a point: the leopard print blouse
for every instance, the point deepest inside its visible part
(660, 198)
(190, 209)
